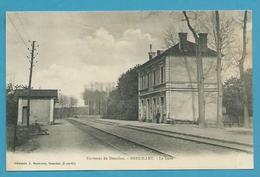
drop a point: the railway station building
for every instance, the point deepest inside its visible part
(167, 83)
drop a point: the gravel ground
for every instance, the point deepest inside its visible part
(66, 138)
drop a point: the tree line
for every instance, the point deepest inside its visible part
(66, 106)
(120, 102)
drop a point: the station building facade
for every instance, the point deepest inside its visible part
(167, 83)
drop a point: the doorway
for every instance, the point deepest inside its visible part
(24, 115)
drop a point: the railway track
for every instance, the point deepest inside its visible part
(118, 143)
(196, 139)
(223, 144)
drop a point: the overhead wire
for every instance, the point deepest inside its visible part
(17, 31)
(22, 24)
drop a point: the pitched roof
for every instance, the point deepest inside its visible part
(190, 50)
(176, 51)
(38, 93)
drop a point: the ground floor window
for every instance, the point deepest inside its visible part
(163, 116)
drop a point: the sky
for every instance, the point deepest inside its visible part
(78, 48)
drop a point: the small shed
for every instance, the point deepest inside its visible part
(42, 104)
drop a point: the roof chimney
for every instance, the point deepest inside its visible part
(203, 41)
(182, 41)
(151, 53)
(159, 52)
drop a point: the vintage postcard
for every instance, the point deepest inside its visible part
(129, 90)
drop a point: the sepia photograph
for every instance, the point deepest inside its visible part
(129, 90)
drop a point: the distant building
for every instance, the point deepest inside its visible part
(168, 83)
(41, 106)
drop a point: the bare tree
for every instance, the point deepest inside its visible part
(72, 104)
(73, 101)
(200, 78)
(170, 36)
(242, 75)
(64, 102)
(221, 32)
(221, 38)
(226, 29)
(219, 78)
(239, 55)
(96, 97)
(171, 39)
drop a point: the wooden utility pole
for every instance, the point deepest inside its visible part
(30, 83)
(219, 78)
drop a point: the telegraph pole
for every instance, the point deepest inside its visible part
(30, 82)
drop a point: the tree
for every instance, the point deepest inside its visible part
(64, 100)
(232, 99)
(170, 36)
(73, 101)
(220, 38)
(67, 105)
(219, 78)
(96, 99)
(248, 83)
(72, 104)
(64, 103)
(233, 95)
(128, 91)
(239, 56)
(123, 101)
(12, 109)
(115, 108)
(200, 77)
(221, 33)
(242, 76)
(11, 102)
(171, 39)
